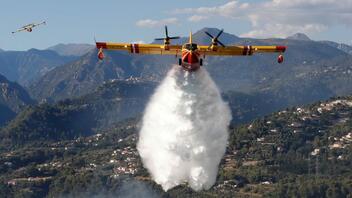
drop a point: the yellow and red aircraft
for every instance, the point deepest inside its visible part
(191, 54)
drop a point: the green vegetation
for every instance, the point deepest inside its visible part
(13, 99)
(299, 152)
(80, 117)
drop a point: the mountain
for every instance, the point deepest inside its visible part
(200, 37)
(230, 73)
(312, 71)
(71, 49)
(304, 151)
(26, 66)
(86, 74)
(344, 47)
(298, 150)
(6, 114)
(78, 147)
(299, 36)
(13, 99)
(341, 46)
(112, 102)
(246, 107)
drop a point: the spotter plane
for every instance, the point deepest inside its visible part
(29, 27)
(191, 55)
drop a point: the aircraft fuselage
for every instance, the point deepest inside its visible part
(191, 59)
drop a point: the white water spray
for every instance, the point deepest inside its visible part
(185, 130)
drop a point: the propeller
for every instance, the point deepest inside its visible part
(215, 40)
(167, 37)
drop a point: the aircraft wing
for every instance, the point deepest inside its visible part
(239, 50)
(19, 30)
(142, 48)
(28, 26)
(37, 24)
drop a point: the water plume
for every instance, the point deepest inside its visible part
(184, 131)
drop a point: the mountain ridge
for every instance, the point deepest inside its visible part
(299, 36)
(305, 150)
(26, 66)
(13, 99)
(305, 63)
(108, 104)
(71, 49)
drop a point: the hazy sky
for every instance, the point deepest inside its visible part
(78, 21)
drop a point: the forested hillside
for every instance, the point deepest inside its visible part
(298, 152)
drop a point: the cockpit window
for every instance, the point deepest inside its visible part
(191, 46)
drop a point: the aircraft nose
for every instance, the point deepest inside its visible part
(192, 57)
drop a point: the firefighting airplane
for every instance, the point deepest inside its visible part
(29, 27)
(191, 54)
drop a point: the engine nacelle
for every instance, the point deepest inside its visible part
(214, 47)
(166, 47)
(280, 59)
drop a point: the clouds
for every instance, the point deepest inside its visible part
(282, 30)
(278, 18)
(156, 23)
(309, 4)
(231, 9)
(197, 18)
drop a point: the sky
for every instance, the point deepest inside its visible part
(79, 21)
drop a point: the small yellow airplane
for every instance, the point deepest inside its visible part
(29, 27)
(191, 55)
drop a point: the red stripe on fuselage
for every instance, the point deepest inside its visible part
(136, 48)
(190, 60)
(245, 50)
(101, 45)
(281, 48)
(132, 48)
(190, 57)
